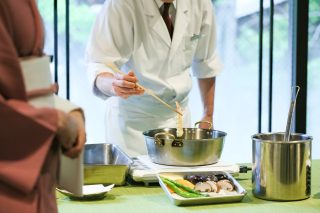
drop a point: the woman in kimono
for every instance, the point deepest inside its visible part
(30, 138)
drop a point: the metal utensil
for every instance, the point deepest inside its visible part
(292, 106)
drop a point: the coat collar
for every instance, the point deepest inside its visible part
(180, 26)
(151, 10)
(160, 3)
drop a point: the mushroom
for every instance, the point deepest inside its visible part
(225, 185)
(221, 176)
(214, 186)
(203, 187)
(211, 178)
(194, 178)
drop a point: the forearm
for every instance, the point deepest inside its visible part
(207, 92)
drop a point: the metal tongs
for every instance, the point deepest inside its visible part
(294, 96)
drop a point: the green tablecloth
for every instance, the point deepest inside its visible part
(152, 199)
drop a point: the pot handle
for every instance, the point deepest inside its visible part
(161, 137)
(207, 122)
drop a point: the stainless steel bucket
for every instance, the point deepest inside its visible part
(281, 170)
(196, 147)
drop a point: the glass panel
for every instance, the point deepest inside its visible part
(226, 113)
(313, 109)
(282, 70)
(47, 13)
(82, 16)
(236, 101)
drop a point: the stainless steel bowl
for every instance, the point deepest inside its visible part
(105, 164)
(196, 147)
(281, 170)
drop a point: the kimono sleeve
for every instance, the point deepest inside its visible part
(26, 136)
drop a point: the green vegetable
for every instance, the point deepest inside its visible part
(188, 189)
(179, 190)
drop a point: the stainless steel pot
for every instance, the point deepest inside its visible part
(281, 170)
(196, 146)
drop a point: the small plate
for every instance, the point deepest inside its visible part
(226, 197)
(90, 192)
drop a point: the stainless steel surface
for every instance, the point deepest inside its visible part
(105, 164)
(281, 170)
(196, 147)
(237, 196)
(291, 109)
(207, 122)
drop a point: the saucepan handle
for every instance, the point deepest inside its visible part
(162, 138)
(207, 122)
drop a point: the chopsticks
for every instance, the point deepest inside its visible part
(148, 91)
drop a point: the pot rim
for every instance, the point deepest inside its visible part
(306, 137)
(223, 134)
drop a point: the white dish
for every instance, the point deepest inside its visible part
(221, 197)
(90, 192)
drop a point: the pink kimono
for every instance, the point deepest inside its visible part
(28, 153)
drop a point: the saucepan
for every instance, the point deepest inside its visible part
(194, 148)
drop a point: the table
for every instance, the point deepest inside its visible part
(152, 199)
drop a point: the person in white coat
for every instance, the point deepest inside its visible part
(133, 36)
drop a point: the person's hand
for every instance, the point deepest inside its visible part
(120, 85)
(125, 86)
(205, 125)
(78, 145)
(71, 132)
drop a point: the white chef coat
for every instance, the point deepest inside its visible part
(133, 35)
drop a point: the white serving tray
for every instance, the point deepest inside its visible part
(221, 197)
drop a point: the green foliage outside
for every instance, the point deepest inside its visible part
(248, 33)
(81, 19)
(83, 15)
(314, 44)
(248, 38)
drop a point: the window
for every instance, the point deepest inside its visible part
(82, 15)
(237, 89)
(236, 102)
